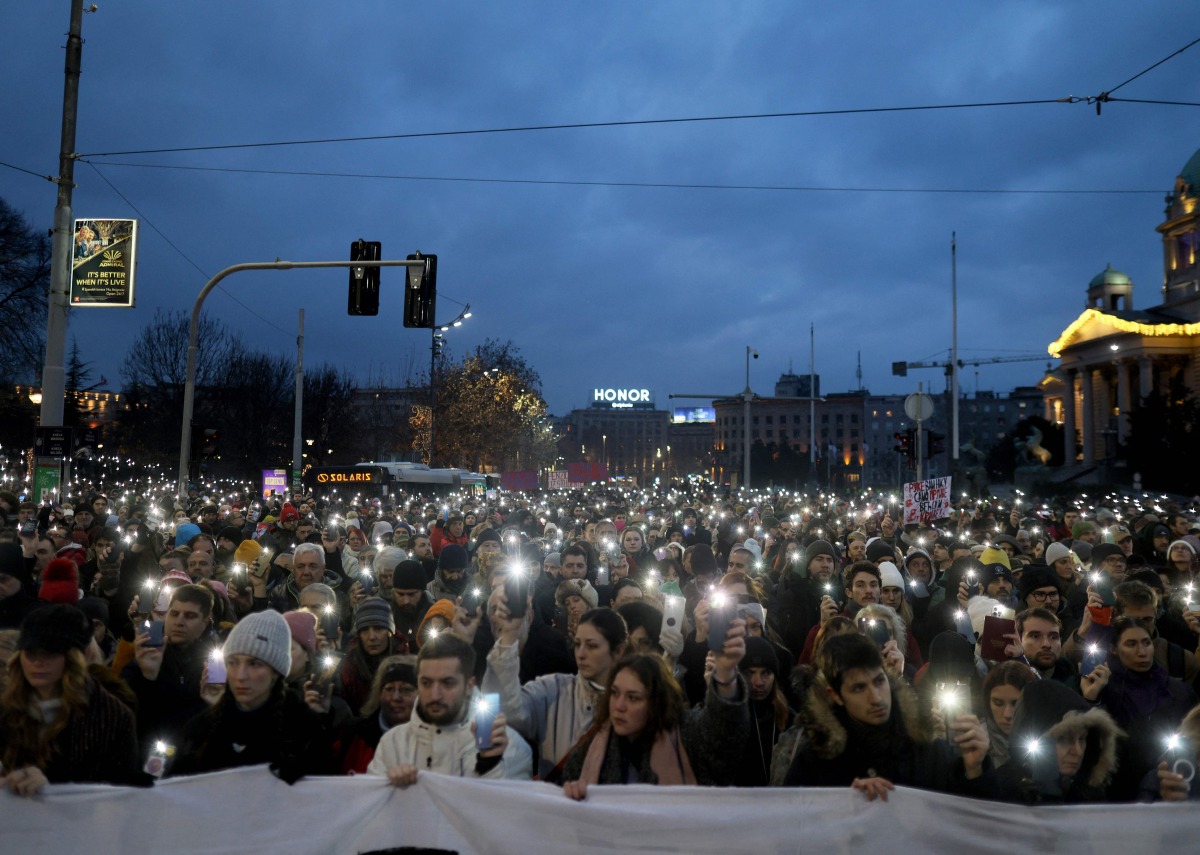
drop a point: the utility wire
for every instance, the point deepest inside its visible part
(183, 254)
(650, 184)
(27, 171)
(1149, 101)
(581, 125)
(1151, 68)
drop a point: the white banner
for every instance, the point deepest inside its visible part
(558, 479)
(248, 810)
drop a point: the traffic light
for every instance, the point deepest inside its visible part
(936, 443)
(420, 295)
(906, 444)
(205, 443)
(364, 281)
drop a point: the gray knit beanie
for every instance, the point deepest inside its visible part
(265, 636)
(374, 611)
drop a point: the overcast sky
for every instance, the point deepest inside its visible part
(634, 286)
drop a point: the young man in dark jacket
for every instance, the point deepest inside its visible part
(797, 605)
(862, 728)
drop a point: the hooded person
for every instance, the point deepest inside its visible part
(797, 605)
(770, 715)
(863, 727)
(450, 580)
(257, 719)
(1062, 750)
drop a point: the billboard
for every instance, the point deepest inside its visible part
(694, 415)
(104, 258)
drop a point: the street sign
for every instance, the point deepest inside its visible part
(53, 442)
(918, 406)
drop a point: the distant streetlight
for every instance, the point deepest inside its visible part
(435, 345)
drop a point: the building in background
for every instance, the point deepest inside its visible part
(1114, 356)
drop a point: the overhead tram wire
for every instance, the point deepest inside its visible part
(27, 171)
(182, 254)
(1106, 96)
(647, 184)
(585, 125)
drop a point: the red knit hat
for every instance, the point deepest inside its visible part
(289, 513)
(60, 582)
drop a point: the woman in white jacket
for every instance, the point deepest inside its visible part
(555, 710)
(441, 735)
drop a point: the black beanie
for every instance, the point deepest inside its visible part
(879, 549)
(409, 575)
(759, 654)
(231, 533)
(55, 629)
(486, 535)
(1037, 576)
(453, 557)
(819, 547)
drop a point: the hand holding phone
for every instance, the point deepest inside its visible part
(486, 707)
(721, 612)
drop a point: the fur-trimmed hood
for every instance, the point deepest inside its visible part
(1047, 710)
(828, 736)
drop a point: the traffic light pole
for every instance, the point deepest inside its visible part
(920, 439)
(189, 388)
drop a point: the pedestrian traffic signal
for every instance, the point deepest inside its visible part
(936, 444)
(364, 281)
(906, 444)
(420, 295)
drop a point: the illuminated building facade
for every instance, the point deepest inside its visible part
(1114, 356)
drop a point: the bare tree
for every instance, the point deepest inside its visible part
(24, 283)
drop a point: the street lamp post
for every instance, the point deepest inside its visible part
(435, 345)
(747, 396)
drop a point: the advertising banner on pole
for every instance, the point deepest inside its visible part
(103, 265)
(274, 481)
(927, 501)
(524, 479)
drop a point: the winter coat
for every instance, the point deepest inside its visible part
(165, 705)
(832, 750)
(552, 712)
(440, 537)
(355, 745)
(712, 738)
(1146, 705)
(448, 749)
(796, 608)
(98, 746)
(283, 732)
(357, 670)
(1048, 709)
(546, 651)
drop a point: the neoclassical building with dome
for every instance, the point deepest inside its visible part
(1113, 356)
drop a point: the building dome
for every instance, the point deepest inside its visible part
(1111, 277)
(1191, 173)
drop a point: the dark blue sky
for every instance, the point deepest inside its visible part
(659, 288)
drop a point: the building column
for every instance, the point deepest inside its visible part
(1069, 417)
(1146, 377)
(1124, 381)
(1089, 416)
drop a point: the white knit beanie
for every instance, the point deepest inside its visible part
(265, 636)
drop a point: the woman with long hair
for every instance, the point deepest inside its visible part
(1001, 691)
(643, 735)
(57, 724)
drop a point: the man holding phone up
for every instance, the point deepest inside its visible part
(166, 672)
(444, 733)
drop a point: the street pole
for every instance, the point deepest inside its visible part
(747, 396)
(53, 373)
(812, 401)
(432, 387)
(920, 438)
(189, 386)
(953, 354)
(297, 431)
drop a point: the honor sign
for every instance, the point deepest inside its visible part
(622, 399)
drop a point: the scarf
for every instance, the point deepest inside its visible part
(668, 759)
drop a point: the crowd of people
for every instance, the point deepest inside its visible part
(1039, 653)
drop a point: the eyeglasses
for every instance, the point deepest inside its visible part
(1042, 596)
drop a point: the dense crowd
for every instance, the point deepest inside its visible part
(1018, 651)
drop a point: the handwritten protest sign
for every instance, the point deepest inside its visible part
(926, 501)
